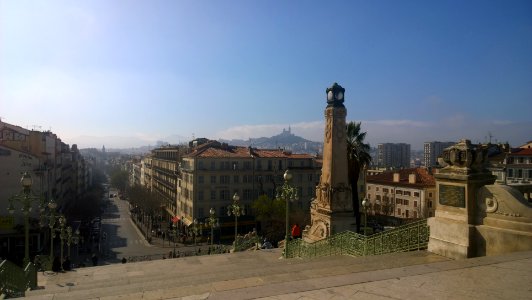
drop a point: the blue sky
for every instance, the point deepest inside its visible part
(128, 73)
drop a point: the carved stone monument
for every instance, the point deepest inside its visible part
(474, 217)
(331, 211)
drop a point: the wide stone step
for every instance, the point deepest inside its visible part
(203, 274)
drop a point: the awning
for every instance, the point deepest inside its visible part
(186, 221)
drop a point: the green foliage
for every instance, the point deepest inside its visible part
(271, 214)
(86, 207)
(144, 199)
(119, 179)
(357, 158)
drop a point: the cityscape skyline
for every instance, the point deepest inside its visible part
(126, 74)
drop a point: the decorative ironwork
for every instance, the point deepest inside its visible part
(413, 236)
(14, 281)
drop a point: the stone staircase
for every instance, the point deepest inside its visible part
(244, 275)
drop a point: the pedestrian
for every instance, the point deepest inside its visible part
(67, 265)
(296, 231)
(94, 259)
(56, 264)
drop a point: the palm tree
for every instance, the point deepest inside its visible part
(357, 158)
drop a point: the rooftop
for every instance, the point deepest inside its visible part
(423, 178)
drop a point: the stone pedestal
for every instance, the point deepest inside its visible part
(331, 210)
(452, 230)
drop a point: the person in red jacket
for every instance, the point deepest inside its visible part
(296, 232)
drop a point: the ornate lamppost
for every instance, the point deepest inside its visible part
(63, 235)
(213, 222)
(287, 193)
(196, 229)
(236, 209)
(365, 204)
(52, 218)
(72, 238)
(26, 197)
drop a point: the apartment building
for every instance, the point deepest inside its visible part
(393, 155)
(407, 193)
(513, 167)
(213, 172)
(433, 150)
(57, 171)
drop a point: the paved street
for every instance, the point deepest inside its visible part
(120, 237)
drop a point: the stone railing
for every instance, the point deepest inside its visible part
(14, 281)
(413, 236)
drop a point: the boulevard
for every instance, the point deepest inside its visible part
(120, 237)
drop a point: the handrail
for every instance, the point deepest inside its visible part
(14, 281)
(412, 236)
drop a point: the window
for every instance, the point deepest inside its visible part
(369, 187)
(398, 201)
(201, 180)
(247, 194)
(224, 179)
(406, 212)
(200, 212)
(200, 196)
(223, 211)
(310, 178)
(415, 214)
(430, 195)
(529, 174)
(213, 195)
(415, 203)
(200, 165)
(405, 202)
(247, 165)
(407, 193)
(416, 194)
(385, 190)
(213, 179)
(399, 211)
(235, 179)
(510, 172)
(310, 191)
(377, 189)
(213, 165)
(399, 192)
(369, 196)
(378, 197)
(224, 195)
(519, 173)
(430, 204)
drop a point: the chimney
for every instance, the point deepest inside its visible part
(411, 178)
(395, 177)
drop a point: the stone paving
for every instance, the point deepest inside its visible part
(263, 275)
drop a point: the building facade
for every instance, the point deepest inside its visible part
(393, 155)
(213, 172)
(433, 150)
(407, 193)
(58, 172)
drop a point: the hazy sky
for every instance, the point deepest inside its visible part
(128, 73)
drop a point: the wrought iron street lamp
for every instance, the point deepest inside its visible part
(52, 206)
(26, 197)
(72, 238)
(287, 193)
(236, 209)
(63, 235)
(365, 204)
(196, 229)
(213, 222)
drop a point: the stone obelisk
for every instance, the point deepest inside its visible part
(331, 211)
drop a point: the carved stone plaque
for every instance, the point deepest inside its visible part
(452, 195)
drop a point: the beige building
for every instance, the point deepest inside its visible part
(407, 193)
(57, 171)
(213, 172)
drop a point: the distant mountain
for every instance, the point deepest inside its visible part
(285, 140)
